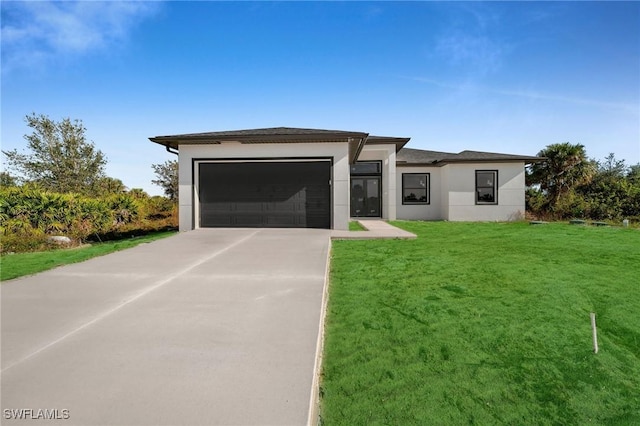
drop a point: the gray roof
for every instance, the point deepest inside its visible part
(356, 140)
(421, 156)
(413, 157)
(493, 156)
(277, 133)
(258, 135)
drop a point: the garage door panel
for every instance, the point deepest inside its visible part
(282, 194)
(282, 207)
(247, 220)
(216, 220)
(283, 221)
(251, 206)
(217, 207)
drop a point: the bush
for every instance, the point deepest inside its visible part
(29, 214)
(124, 209)
(570, 206)
(21, 236)
(536, 204)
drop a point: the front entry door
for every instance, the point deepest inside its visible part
(365, 197)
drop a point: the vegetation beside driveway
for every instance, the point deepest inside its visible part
(21, 264)
(484, 323)
(354, 225)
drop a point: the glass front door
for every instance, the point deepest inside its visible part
(365, 196)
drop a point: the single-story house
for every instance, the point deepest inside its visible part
(292, 177)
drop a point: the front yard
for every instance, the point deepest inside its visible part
(484, 323)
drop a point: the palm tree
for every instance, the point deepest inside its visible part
(565, 167)
(109, 185)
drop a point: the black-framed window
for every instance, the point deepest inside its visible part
(415, 188)
(366, 168)
(486, 187)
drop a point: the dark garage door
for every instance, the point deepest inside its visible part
(265, 194)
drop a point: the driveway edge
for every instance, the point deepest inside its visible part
(314, 400)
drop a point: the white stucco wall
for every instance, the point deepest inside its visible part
(452, 187)
(432, 211)
(386, 154)
(188, 178)
(444, 192)
(460, 187)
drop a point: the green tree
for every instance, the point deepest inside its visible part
(566, 166)
(612, 167)
(632, 209)
(61, 158)
(167, 178)
(613, 192)
(633, 174)
(6, 180)
(110, 185)
(138, 193)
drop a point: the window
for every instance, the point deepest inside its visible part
(486, 184)
(366, 168)
(415, 188)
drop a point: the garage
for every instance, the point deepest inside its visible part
(265, 194)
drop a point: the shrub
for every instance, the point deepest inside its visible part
(28, 214)
(124, 209)
(19, 236)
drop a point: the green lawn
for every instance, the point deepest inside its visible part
(20, 264)
(354, 225)
(484, 323)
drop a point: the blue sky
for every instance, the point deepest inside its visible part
(507, 77)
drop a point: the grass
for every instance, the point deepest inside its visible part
(21, 264)
(354, 225)
(484, 323)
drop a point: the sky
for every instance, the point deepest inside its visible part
(508, 77)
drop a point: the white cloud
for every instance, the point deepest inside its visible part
(33, 32)
(469, 41)
(631, 108)
(530, 94)
(479, 54)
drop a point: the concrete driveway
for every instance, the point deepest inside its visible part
(206, 327)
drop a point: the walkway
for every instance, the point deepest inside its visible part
(376, 229)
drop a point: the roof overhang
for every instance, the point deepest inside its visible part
(355, 140)
(387, 140)
(416, 157)
(526, 160)
(444, 162)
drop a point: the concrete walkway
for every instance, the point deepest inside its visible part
(375, 229)
(207, 327)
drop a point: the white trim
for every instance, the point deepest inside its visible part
(196, 177)
(265, 160)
